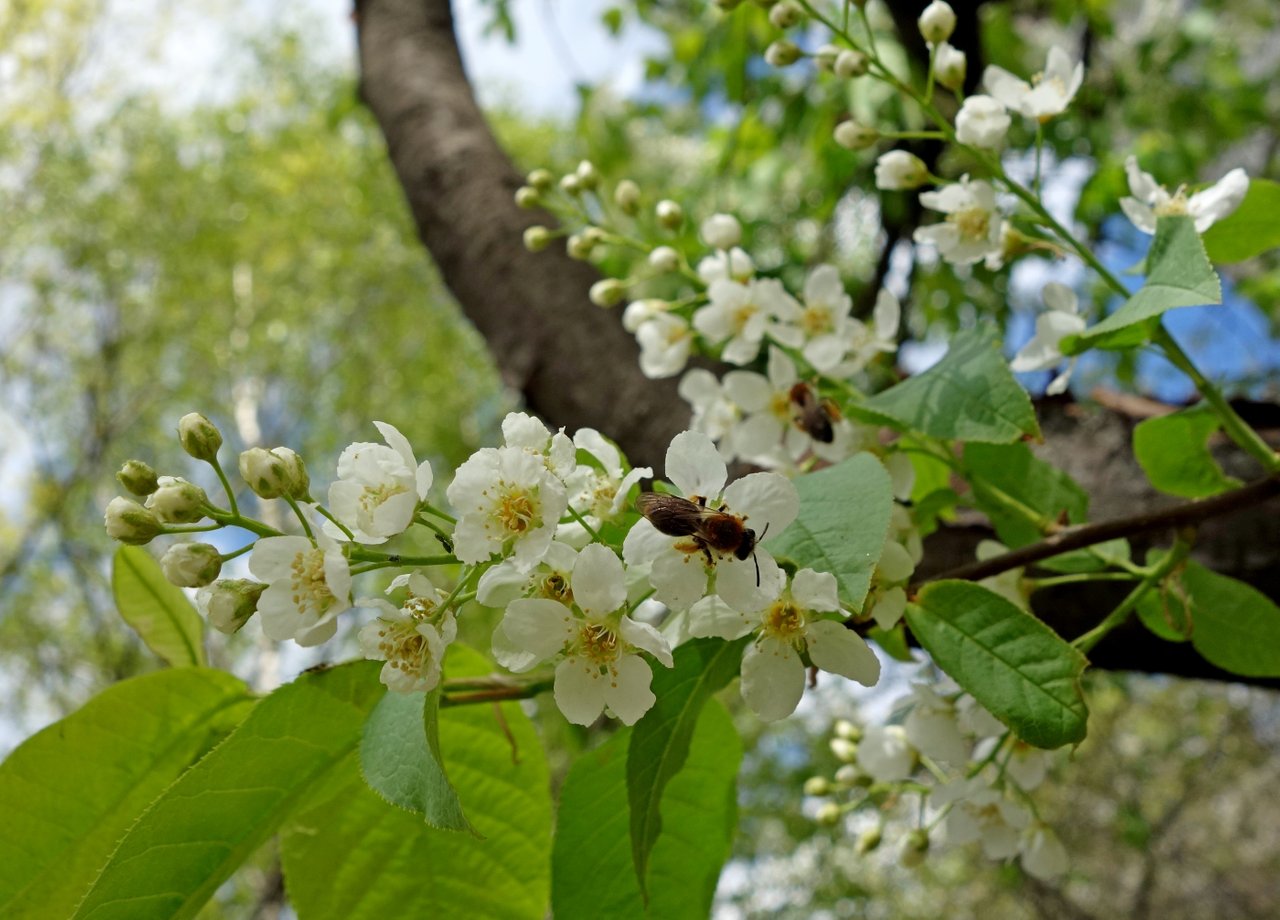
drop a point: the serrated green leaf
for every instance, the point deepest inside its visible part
(1179, 276)
(401, 760)
(970, 395)
(221, 810)
(1013, 664)
(1251, 230)
(69, 792)
(842, 524)
(1173, 450)
(660, 740)
(1233, 625)
(592, 871)
(156, 610)
(348, 855)
(996, 470)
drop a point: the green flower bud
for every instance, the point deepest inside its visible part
(664, 259)
(825, 57)
(626, 195)
(670, 215)
(785, 15)
(138, 477)
(781, 53)
(571, 184)
(937, 22)
(914, 848)
(536, 238)
(844, 749)
(868, 841)
(579, 247)
(829, 814)
(177, 501)
(129, 522)
(850, 64)
(528, 197)
(853, 135)
(608, 292)
(200, 437)
(541, 179)
(269, 473)
(817, 785)
(846, 729)
(191, 565)
(588, 175)
(298, 485)
(228, 604)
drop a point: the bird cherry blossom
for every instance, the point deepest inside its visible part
(597, 642)
(599, 490)
(308, 586)
(680, 566)
(1052, 326)
(1151, 200)
(982, 122)
(378, 488)
(788, 625)
(972, 227)
(739, 316)
(411, 638)
(1048, 94)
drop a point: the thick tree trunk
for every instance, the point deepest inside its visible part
(576, 366)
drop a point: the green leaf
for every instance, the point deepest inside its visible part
(1013, 664)
(1094, 558)
(69, 792)
(348, 855)
(1251, 230)
(842, 524)
(592, 871)
(1233, 625)
(401, 760)
(1179, 275)
(660, 740)
(158, 611)
(970, 395)
(1173, 450)
(219, 812)
(893, 641)
(999, 470)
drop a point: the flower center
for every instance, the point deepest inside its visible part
(780, 406)
(311, 592)
(403, 647)
(598, 644)
(784, 621)
(516, 509)
(743, 315)
(556, 587)
(374, 496)
(973, 223)
(1175, 206)
(816, 320)
(422, 609)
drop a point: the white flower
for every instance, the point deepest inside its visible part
(308, 585)
(885, 755)
(981, 813)
(508, 502)
(1027, 766)
(378, 488)
(972, 227)
(599, 491)
(867, 342)
(1052, 326)
(1047, 95)
(739, 316)
(600, 643)
(1043, 854)
(899, 170)
(1150, 200)
(680, 565)
(768, 434)
(522, 430)
(411, 638)
(773, 673)
(639, 312)
(714, 413)
(722, 231)
(950, 66)
(824, 318)
(982, 122)
(937, 22)
(734, 265)
(932, 727)
(665, 341)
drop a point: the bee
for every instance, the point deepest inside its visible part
(813, 414)
(710, 528)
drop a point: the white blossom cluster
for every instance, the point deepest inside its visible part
(971, 779)
(528, 531)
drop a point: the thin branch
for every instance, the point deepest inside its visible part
(1069, 538)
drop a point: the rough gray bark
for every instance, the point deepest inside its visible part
(576, 366)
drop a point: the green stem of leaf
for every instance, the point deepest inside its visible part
(1118, 616)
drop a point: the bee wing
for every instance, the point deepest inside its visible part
(670, 514)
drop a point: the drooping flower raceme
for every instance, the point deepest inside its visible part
(308, 585)
(788, 625)
(680, 565)
(1151, 200)
(411, 638)
(1048, 94)
(1052, 326)
(378, 488)
(600, 644)
(508, 501)
(972, 228)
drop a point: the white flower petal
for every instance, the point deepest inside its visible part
(1219, 200)
(772, 679)
(646, 638)
(628, 695)
(842, 651)
(579, 690)
(538, 625)
(694, 465)
(737, 585)
(766, 500)
(711, 616)
(815, 590)
(679, 579)
(644, 543)
(599, 586)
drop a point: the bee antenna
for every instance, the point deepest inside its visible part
(757, 562)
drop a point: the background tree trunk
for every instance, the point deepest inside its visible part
(576, 366)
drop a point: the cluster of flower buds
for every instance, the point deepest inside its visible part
(950, 769)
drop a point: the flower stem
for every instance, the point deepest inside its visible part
(1118, 616)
